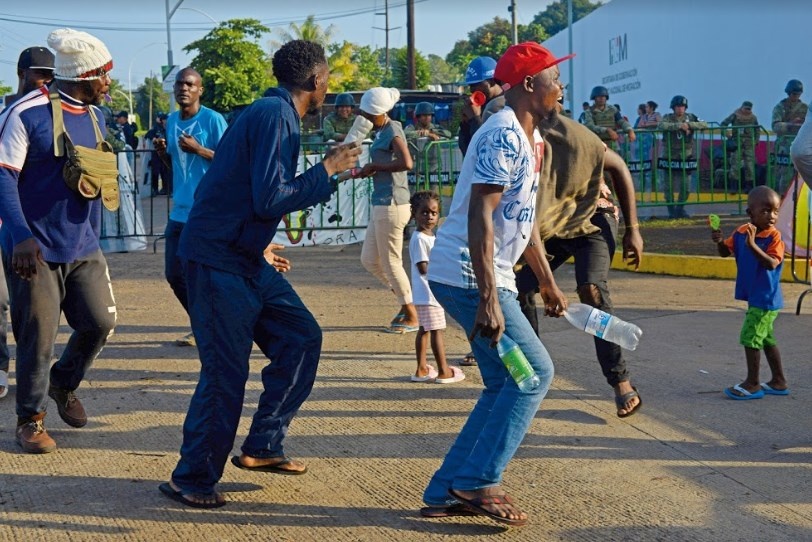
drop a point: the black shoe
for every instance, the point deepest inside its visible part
(69, 406)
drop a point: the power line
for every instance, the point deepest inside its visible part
(182, 27)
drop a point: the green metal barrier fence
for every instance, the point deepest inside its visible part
(712, 170)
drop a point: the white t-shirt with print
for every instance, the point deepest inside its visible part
(501, 154)
(419, 248)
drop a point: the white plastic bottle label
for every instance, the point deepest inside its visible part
(596, 323)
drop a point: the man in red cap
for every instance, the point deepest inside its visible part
(490, 225)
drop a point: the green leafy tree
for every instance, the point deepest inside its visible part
(371, 70)
(148, 100)
(342, 67)
(442, 72)
(399, 69)
(234, 67)
(554, 18)
(120, 97)
(491, 39)
(4, 89)
(309, 30)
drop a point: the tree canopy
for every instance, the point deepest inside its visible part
(554, 18)
(234, 67)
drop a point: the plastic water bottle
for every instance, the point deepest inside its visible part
(517, 364)
(603, 325)
(361, 126)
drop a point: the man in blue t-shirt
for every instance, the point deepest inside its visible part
(50, 238)
(192, 134)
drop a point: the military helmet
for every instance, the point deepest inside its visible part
(480, 69)
(424, 108)
(679, 100)
(793, 85)
(343, 99)
(599, 91)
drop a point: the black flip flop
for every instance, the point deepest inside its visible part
(477, 505)
(449, 511)
(181, 497)
(620, 402)
(276, 468)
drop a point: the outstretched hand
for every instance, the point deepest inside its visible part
(341, 157)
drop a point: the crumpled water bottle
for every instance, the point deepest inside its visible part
(603, 325)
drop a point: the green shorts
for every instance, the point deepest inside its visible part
(757, 329)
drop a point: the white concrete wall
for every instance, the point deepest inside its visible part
(717, 53)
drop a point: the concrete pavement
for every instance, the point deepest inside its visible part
(691, 466)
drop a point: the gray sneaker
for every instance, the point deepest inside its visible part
(34, 439)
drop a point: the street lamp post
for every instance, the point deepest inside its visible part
(170, 60)
(130, 71)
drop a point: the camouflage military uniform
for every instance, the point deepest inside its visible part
(333, 124)
(677, 159)
(599, 121)
(742, 149)
(427, 157)
(787, 119)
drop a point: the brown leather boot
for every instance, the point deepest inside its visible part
(69, 406)
(32, 436)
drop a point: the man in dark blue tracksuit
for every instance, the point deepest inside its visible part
(236, 297)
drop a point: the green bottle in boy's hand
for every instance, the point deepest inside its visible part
(714, 222)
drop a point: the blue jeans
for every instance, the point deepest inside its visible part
(502, 415)
(173, 266)
(229, 312)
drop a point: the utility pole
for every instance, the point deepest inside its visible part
(512, 10)
(410, 44)
(571, 86)
(386, 30)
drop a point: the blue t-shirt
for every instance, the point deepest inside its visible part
(207, 127)
(250, 186)
(759, 286)
(34, 199)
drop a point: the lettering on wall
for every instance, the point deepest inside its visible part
(618, 49)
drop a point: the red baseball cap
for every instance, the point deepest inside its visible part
(524, 59)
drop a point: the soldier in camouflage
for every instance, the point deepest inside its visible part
(741, 146)
(419, 136)
(605, 120)
(788, 115)
(678, 160)
(337, 124)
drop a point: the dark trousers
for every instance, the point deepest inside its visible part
(5, 356)
(159, 169)
(173, 267)
(593, 257)
(229, 313)
(82, 291)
